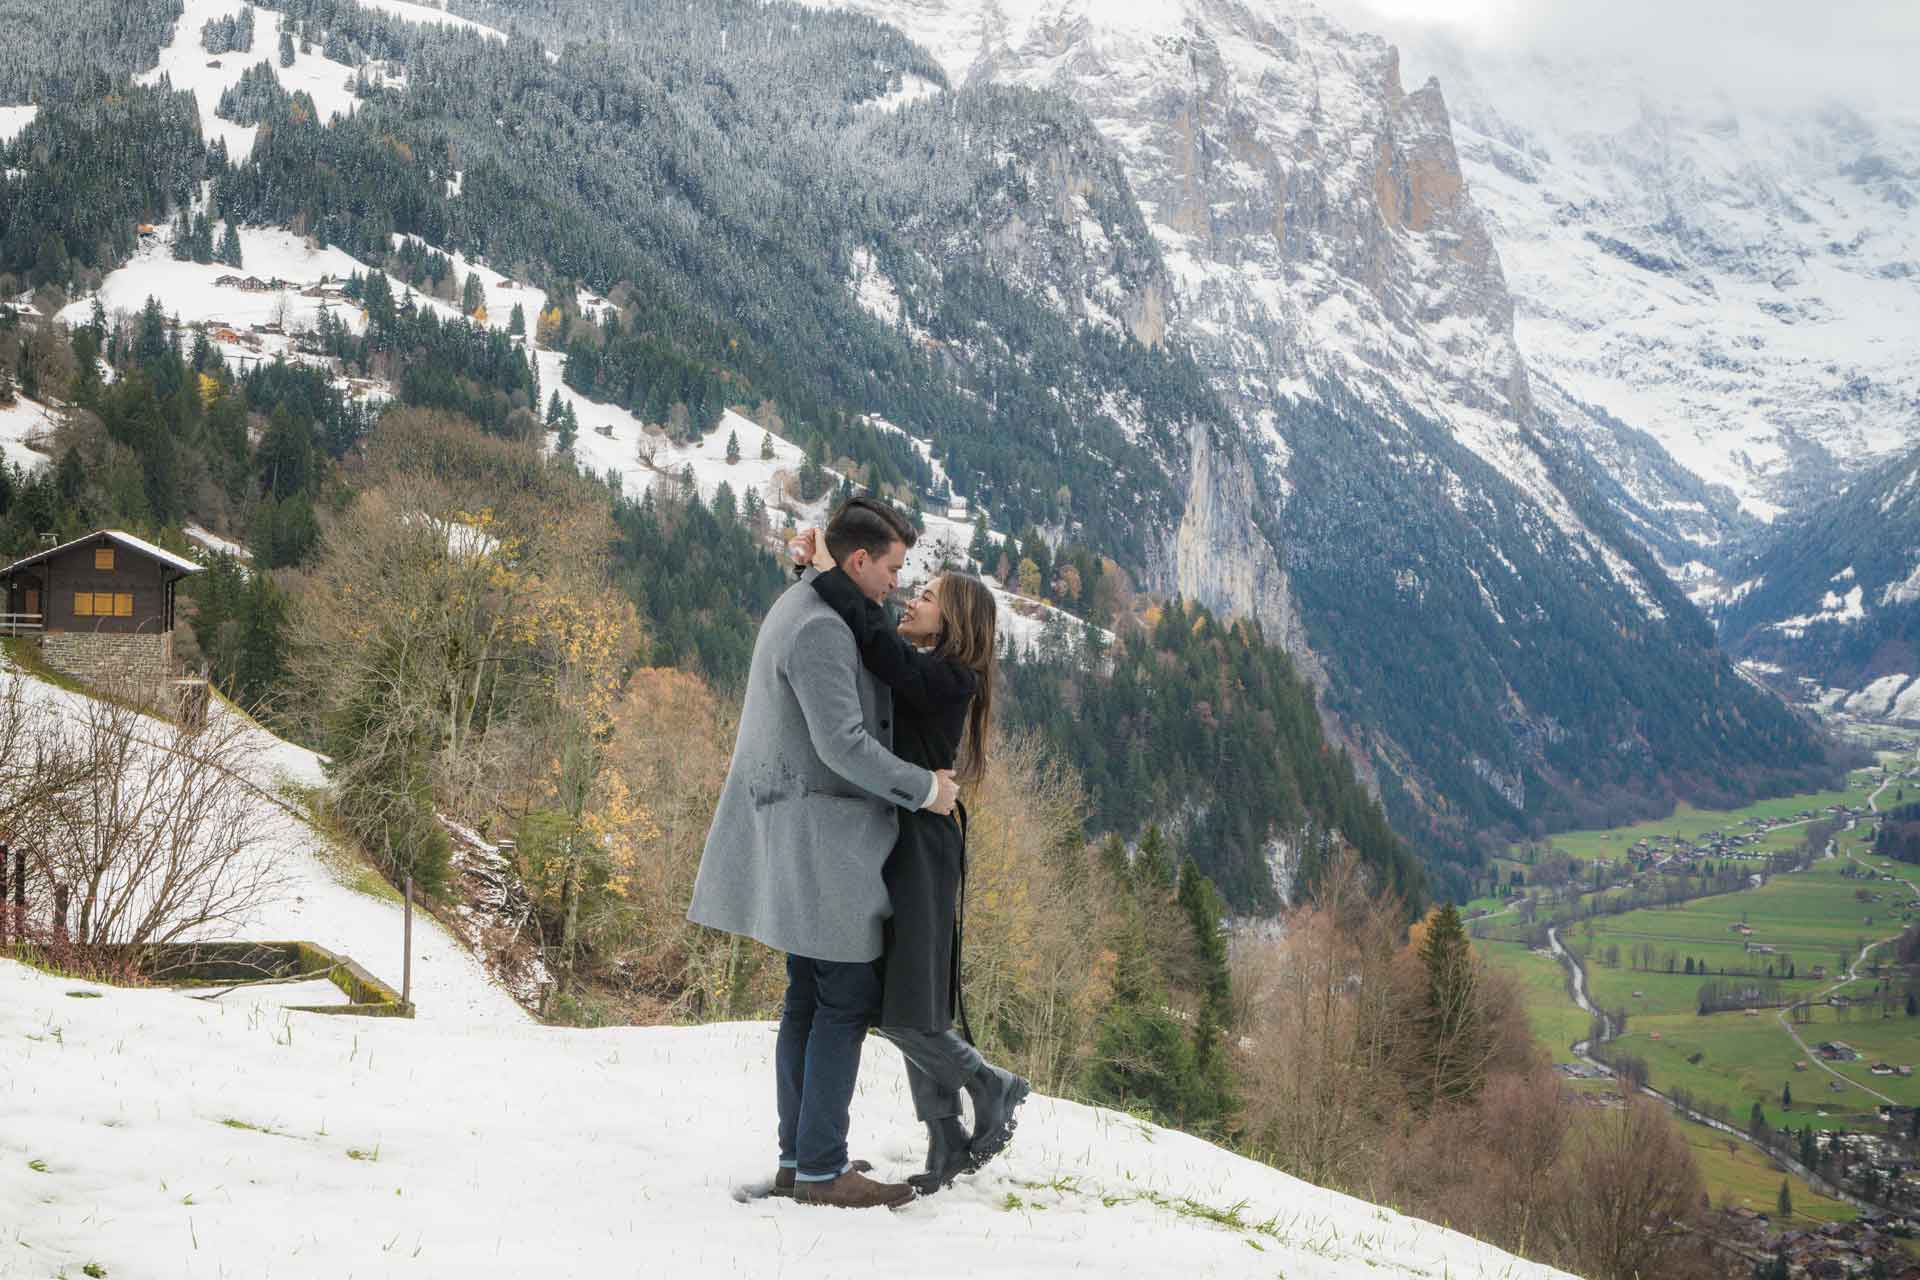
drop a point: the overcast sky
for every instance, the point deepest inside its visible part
(1866, 51)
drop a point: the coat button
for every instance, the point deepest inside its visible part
(884, 724)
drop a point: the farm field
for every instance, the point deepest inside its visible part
(1689, 823)
(1737, 1176)
(1557, 1023)
(1743, 1060)
(1811, 916)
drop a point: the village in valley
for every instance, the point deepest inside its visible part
(1759, 971)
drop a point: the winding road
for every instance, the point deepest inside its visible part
(1577, 984)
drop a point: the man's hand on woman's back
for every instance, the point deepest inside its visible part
(949, 793)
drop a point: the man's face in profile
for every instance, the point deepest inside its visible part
(877, 576)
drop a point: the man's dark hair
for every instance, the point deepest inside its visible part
(866, 524)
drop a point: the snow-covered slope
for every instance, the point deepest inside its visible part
(186, 64)
(155, 1136)
(318, 902)
(20, 422)
(15, 119)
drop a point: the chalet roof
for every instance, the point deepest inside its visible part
(139, 546)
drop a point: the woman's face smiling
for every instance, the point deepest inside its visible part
(920, 623)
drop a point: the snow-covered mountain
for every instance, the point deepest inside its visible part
(1715, 289)
(1834, 599)
(1740, 283)
(1394, 472)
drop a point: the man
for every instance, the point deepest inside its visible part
(804, 825)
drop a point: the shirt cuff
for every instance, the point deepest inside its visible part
(933, 793)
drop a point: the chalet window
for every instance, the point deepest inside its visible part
(83, 604)
(123, 604)
(103, 559)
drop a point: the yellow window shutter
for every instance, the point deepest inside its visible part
(83, 604)
(103, 559)
(123, 604)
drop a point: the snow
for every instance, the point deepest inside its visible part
(874, 290)
(14, 120)
(186, 64)
(214, 542)
(1834, 608)
(913, 88)
(192, 292)
(1711, 271)
(22, 421)
(430, 14)
(184, 1138)
(500, 295)
(316, 903)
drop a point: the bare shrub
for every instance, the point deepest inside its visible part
(1038, 965)
(164, 835)
(1627, 1186)
(1323, 1032)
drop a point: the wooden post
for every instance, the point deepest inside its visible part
(60, 912)
(20, 888)
(406, 954)
(3, 894)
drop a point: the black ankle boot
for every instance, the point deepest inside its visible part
(996, 1095)
(947, 1155)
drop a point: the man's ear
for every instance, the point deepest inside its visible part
(857, 560)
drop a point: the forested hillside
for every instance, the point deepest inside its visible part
(970, 264)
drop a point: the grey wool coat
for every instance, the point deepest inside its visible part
(807, 817)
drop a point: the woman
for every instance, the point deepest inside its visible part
(940, 665)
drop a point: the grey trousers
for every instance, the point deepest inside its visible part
(938, 1064)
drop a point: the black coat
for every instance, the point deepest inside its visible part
(925, 872)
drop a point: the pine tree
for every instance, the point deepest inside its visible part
(1757, 1123)
(7, 395)
(555, 409)
(474, 294)
(1451, 1031)
(1913, 1005)
(766, 446)
(286, 47)
(569, 429)
(1153, 862)
(1211, 1097)
(517, 322)
(1786, 1097)
(1786, 1199)
(981, 548)
(182, 238)
(733, 447)
(230, 246)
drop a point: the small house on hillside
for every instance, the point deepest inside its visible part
(101, 606)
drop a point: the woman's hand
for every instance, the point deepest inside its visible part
(816, 544)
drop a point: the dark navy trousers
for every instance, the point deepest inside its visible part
(823, 1024)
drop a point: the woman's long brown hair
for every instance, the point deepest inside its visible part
(968, 622)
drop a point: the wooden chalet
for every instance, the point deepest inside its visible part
(101, 606)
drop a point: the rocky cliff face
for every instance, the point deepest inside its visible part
(1708, 290)
(1389, 496)
(1723, 274)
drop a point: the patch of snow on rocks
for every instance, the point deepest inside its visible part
(25, 424)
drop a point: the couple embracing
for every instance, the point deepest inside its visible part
(839, 839)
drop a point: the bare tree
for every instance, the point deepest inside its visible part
(166, 835)
(37, 761)
(1629, 1184)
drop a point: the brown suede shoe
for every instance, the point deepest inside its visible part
(853, 1191)
(783, 1180)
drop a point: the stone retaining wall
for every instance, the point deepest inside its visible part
(106, 659)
